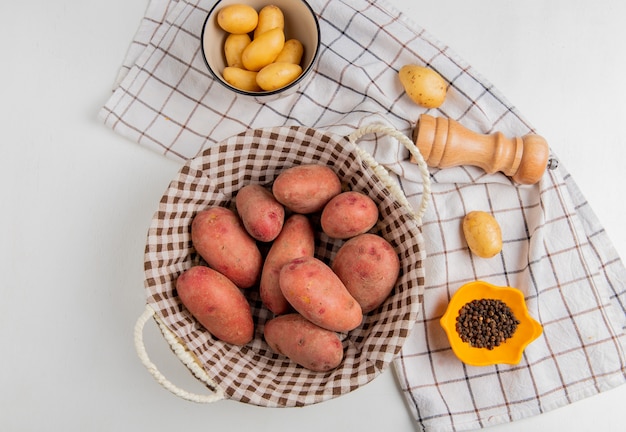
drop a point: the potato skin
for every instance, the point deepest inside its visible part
(482, 233)
(296, 239)
(423, 85)
(217, 304)
(261, 214)
(238, 18)
(369, 267)
(292, 52)
(306, 188)
(349, 214)
(221, 240)
(316, 292)
(303, 342)
(263, 49)
(241, 78)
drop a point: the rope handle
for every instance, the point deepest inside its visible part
(384, 174)
(182, 353)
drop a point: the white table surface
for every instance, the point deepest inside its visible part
(77, 200)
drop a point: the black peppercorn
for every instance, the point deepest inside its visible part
(486, 323)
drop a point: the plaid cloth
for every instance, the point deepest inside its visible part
(555, 250)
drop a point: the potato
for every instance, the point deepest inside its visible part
(261, 214)
(233, 48)
(303, 342)
(482, 233)
(219, 237)
(263, 50)
(306, 188)
(237, 18)
(217, 304)
(368, 266)
(291, 53)
(276, 75)
(423, 85)
(296, 239)
(311, 287)
(270, 17)
(241, 78)
(349, 214)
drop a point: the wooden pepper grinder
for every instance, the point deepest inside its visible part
(446, 143)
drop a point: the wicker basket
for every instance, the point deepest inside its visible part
(253, 373)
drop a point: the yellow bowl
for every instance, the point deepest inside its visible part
(510, 351)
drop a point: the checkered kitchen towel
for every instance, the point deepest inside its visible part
(554, 250)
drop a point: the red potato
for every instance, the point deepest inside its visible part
(349, 214)
(217, 304)
(306, 188)
(261, 214)
(219, 237)
(303, 342)
(296, 239)
(311, 287)
(369, 267)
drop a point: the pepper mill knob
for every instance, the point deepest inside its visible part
(446, 143)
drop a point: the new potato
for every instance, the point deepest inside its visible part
(369, 267)
(233, 48)
(423, 85)
(217, 304)
(238, 18)
(291, 53)
(263, 49)
(241, 78)
(276, 75)
(221, 240)
(316, 292)
(306, 188)
(303, 342)
(261, 214)
(270, 17)
(349, 214)
(296, 239)
(482, 233)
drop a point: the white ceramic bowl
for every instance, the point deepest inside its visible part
(300, 23)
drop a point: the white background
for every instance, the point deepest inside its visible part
(77, 200)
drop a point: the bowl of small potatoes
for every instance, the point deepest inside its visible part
(263, 49)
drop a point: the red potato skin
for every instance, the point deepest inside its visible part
(306, 188)
(303, 342)
(311, 287)
(261, 214)
(369, 267)
(296, 239)
(349, 214)
(219, 237)
(217, 304)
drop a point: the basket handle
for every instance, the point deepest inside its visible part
(384, 174)
(182, 353)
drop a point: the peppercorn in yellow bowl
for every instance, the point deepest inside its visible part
(488, 324)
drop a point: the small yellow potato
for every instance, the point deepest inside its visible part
(303, 342)
(482, 233)
(277, 75)
(423, 85)
(263, 50)
(238, 18)
(270, 17)
(233, 48)
(217, 304)
(306, 188)
(292, 52)
(241, 78)
(317, 293)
